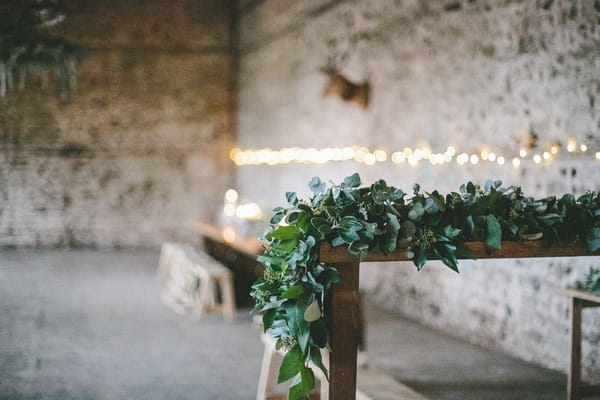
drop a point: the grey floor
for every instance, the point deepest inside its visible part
(88, 324)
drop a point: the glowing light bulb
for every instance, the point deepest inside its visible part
(583, 148)
(484, 155)
(380, 155)
(554, 149)
(537, 158)
(398, 157)
(571, 146)
(370, 159)
(598, 155)
(474, 159)
(500, 160)
(492, 157)
(546, 155)
(229, 210)
(451, 150)
(523, 153)
(231, 195)
(516, 162)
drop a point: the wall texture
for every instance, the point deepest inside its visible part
(128, 160)
(462, 73)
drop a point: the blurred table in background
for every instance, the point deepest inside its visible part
(236, 253)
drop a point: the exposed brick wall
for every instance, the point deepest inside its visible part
(464, 73)
(129, 159)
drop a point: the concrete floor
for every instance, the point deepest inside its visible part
(88, 324)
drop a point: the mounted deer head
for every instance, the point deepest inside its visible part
(348, 91)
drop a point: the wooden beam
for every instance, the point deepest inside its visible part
(341, 308)
(509, 249)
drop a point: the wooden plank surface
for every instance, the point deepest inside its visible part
(529, 249)
(583, 295)
(250, 246)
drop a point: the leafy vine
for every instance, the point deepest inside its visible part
(383, 218)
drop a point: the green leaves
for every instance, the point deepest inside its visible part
(381, 218)
(292, 364)
(494, 232)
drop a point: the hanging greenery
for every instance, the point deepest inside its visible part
(591, 282)
(383, 218)
(28, 49)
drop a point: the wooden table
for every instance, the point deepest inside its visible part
(342, 303)
(576, 390)
(239, 255)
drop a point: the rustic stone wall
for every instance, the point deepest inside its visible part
(141, 147)
(462, 73)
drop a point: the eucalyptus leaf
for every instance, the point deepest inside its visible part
(313, 312)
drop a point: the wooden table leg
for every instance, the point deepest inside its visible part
(342, 308)
(574, 379)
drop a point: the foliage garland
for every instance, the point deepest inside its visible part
(28, 48)
(426, 225)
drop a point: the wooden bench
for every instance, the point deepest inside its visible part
(372, 384)
(576, 389)
(193, 279)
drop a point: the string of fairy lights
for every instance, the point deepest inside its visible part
(410, 156)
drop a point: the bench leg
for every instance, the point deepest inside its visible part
(268, 371)
(227, 297)
(204, 297)
(574, 379)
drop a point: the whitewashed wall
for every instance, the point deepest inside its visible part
(462, 73)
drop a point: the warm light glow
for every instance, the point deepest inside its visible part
(231, 195)
(462, 158)
(598, 155)
(249, 211)
(516, 162)
(229, 210)
(523, 153)
(370, 159)
(361, 154)
(380, 155)
(398, 157)
(500, 160)
(229, 235)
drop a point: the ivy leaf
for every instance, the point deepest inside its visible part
(315, 357)
(550, 219)
(293, 292)
(351, 181)
(291, 365)
(494, 232)
(593, 239)
(393, 220)
(337, 241)
(284, 233)
(276, 218)
(313, 312)
(308, 380)
(451, 232)
(420, 258)
(268, 318)
(291, 198)
(316, 186)
(318, 332)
